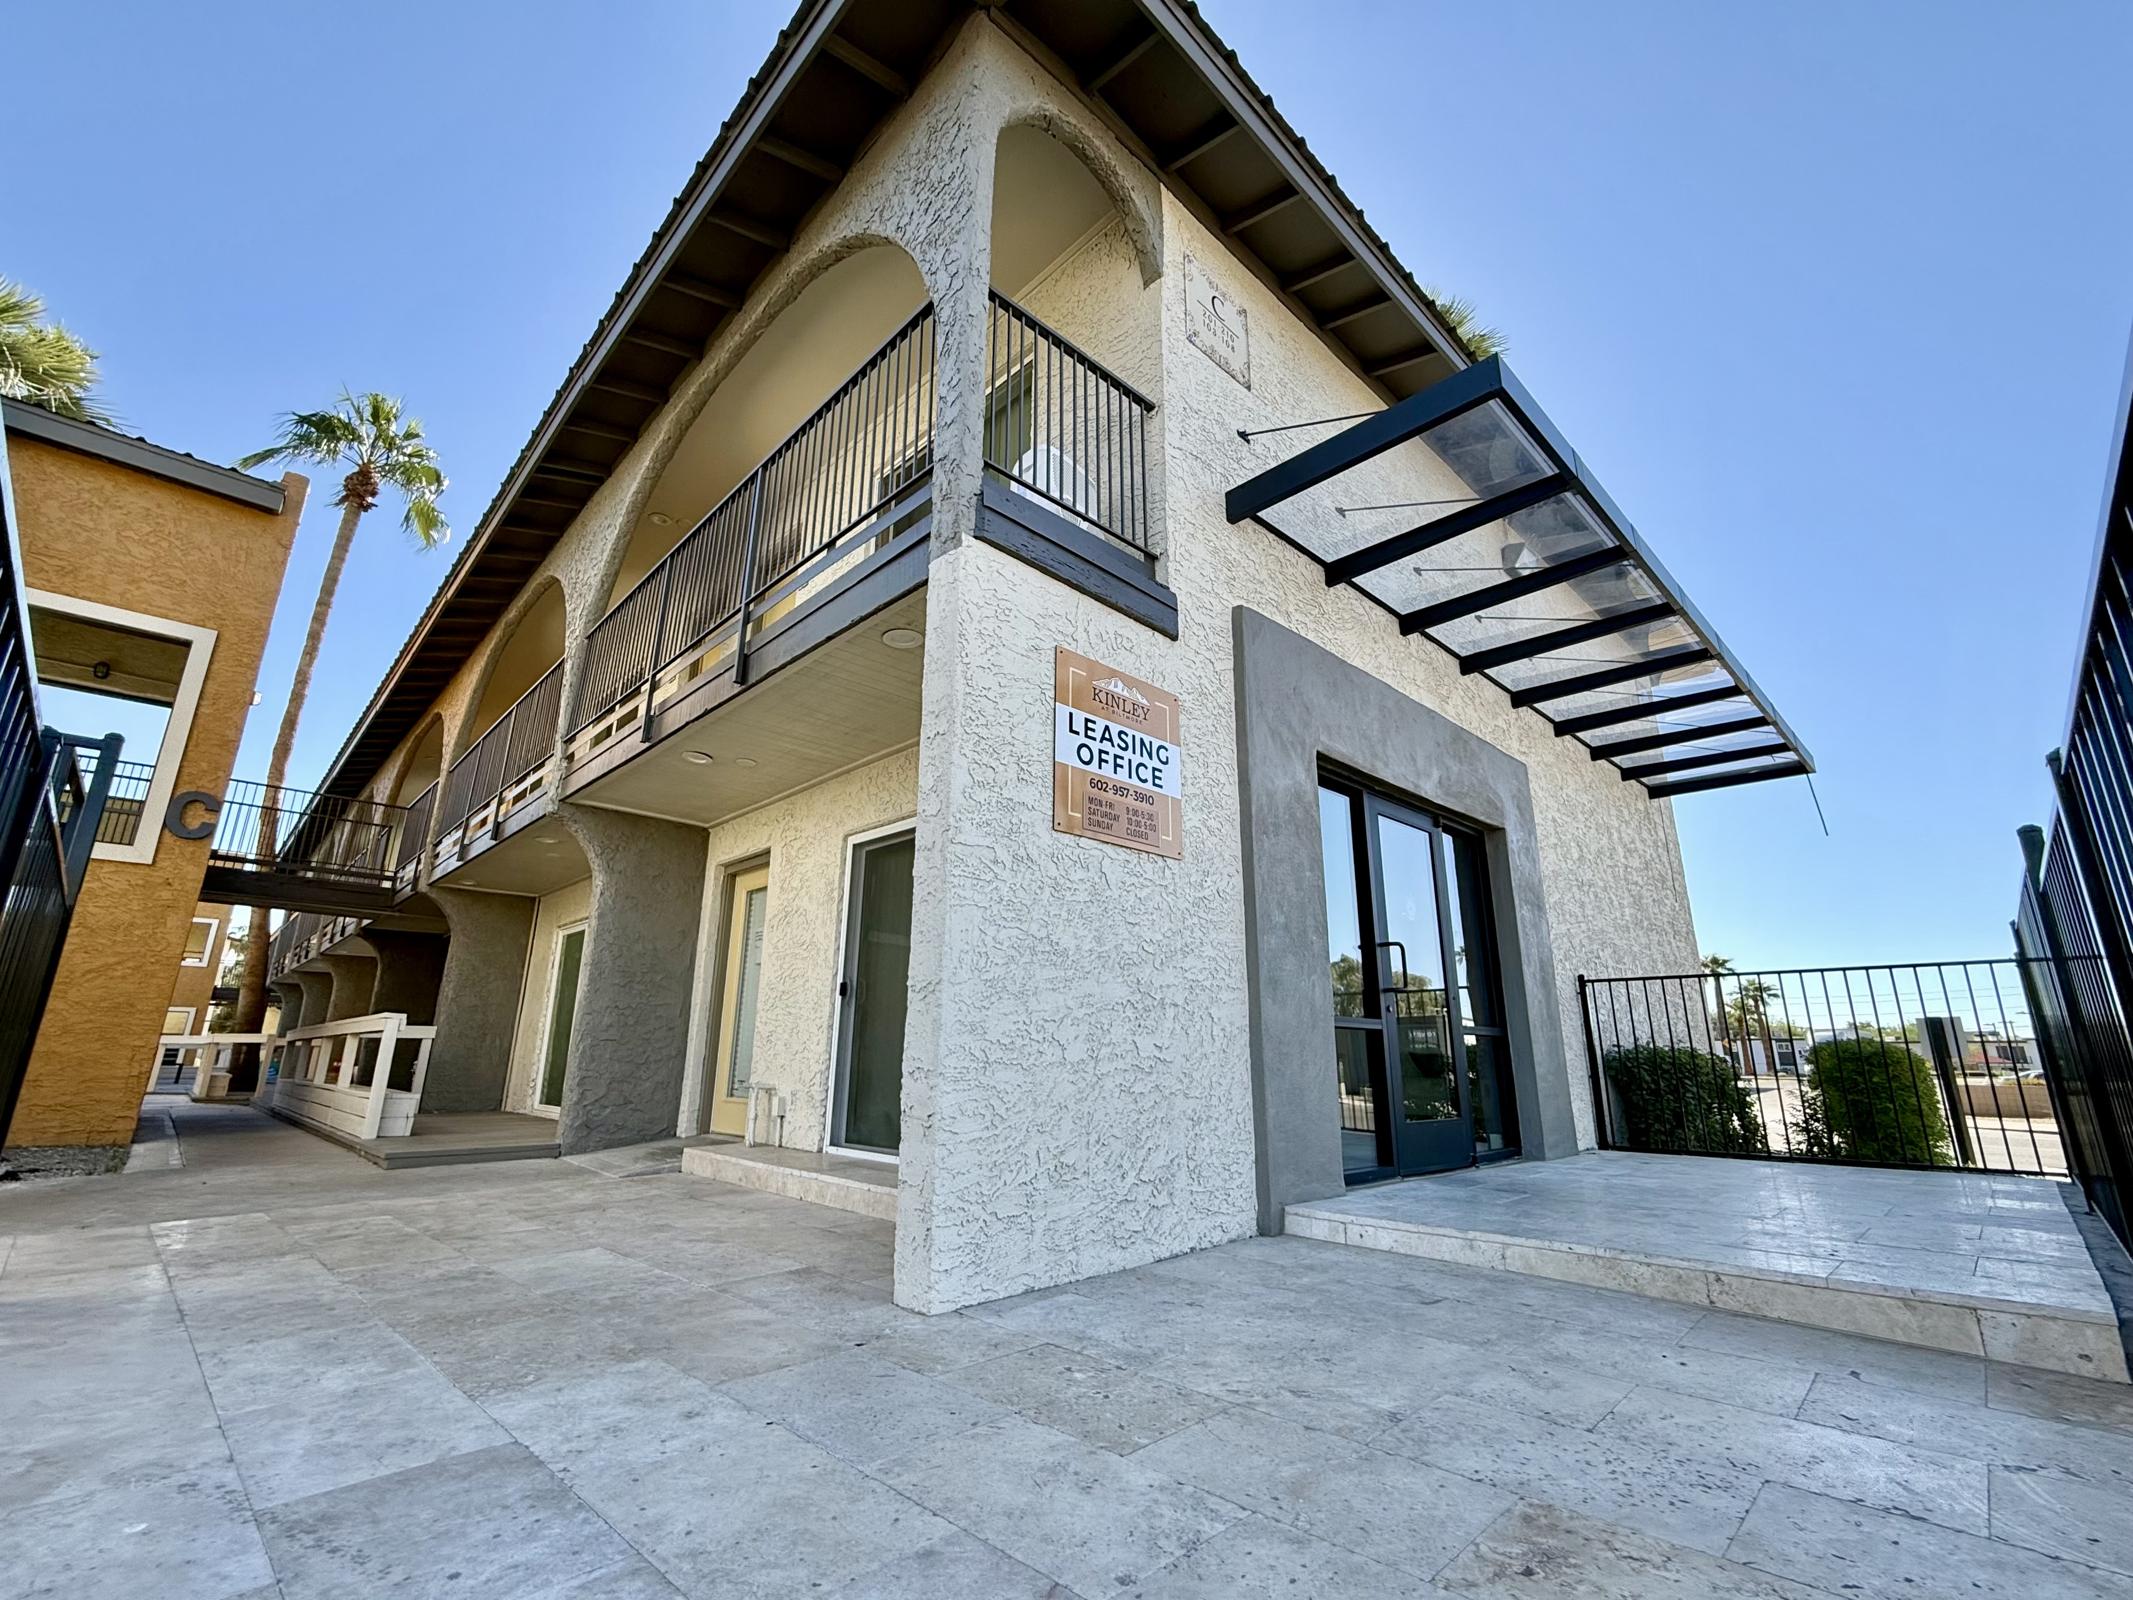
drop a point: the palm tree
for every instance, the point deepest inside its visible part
(382, 448)
(43, 363)
(1460, 315)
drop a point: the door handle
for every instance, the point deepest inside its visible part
(1394, 944)
(844, 989)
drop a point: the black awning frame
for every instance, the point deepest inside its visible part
(1467, 390)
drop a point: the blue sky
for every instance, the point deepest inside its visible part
(1834, 298)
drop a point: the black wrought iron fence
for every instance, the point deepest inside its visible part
(1911, 1064)
(126, 798)
(414, 838)
(1062, 427)
(860, 452)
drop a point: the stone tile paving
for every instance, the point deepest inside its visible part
(278, 1371)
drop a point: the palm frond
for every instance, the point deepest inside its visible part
(327, 438)
(371, 435)
(42, 362)
(1459, 314)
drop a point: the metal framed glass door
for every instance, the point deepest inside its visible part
(1419, 1043)
(873, 998)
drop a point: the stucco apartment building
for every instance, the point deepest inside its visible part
(152, 581)
(1024, 662)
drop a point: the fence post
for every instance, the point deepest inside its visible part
(381, 1074)
(740, 626)
(1603, 1131)
(659, 639)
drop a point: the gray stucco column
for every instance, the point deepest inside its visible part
(630, 1038)
(289, 1001)
(477, 999)
(410, 972)
(354, 976)
(1298, 705)
(317, 987)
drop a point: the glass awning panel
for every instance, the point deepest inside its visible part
(1464, 512)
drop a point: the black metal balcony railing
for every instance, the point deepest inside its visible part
(414, 839)
(513, 747)
(120, 821)
(271, 828)
(855, 457)
(1060, 426)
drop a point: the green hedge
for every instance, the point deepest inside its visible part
(1873, 1100)
(1677, 1099)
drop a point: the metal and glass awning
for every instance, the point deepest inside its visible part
(1464, 512)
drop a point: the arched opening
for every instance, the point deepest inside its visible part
(800, 361)
(425, 763)
(1073, 342)
(509, 734)
(812, 453)
(532, 650)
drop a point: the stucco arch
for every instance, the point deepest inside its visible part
(399, 785)
(792, 281)
(546, 594)
(1128, 193)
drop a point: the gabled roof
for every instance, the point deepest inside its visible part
(1152, 69)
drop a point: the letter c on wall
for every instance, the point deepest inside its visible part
(174, 822)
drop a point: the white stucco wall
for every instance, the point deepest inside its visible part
(806, 841)
(554, 913)
(1078, 1094)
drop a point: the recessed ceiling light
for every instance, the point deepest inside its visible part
(659, 519)
(546, 838)
(902, 638)
(744, 761)
(701, 757)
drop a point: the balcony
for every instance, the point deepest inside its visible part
(830, 530)
(491, 785)
(836, 513)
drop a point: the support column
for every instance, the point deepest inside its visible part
(317, 987)
(288, 1003)
(477, 999)
(630, 1037)
(410, 970)
(354, 977)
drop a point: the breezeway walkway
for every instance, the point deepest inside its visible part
(279, 1371)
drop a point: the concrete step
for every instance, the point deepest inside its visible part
(866, 1187)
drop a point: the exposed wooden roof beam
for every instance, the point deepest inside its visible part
(701, 289)
(1385, 369)
(1120, 63)
(567, 467)
(876, 72)
(802, 160)
(1377, 302)
(1318, 274)
(627, 389)
(661, 342)
(1252, 216)
(600, 430)
(1213, 134)
(761, 233)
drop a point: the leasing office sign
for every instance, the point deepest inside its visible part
(1115, 757)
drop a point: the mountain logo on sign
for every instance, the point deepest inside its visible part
(1116, 694)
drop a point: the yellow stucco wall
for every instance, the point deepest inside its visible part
(195, 987)
(95, 531)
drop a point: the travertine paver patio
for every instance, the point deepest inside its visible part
(279, 1371)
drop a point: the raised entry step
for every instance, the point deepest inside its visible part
(867, 1187)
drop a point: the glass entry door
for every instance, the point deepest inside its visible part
(873, 997)
(562, 1015)
(1420, 1060)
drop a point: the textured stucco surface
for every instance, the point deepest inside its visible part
(355, 978)
(410, 968)
(1103, 1117)
(805, 840)
(570, 904)
(477, 999)
(95, 531)
(195, 986)
(631, 1035)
